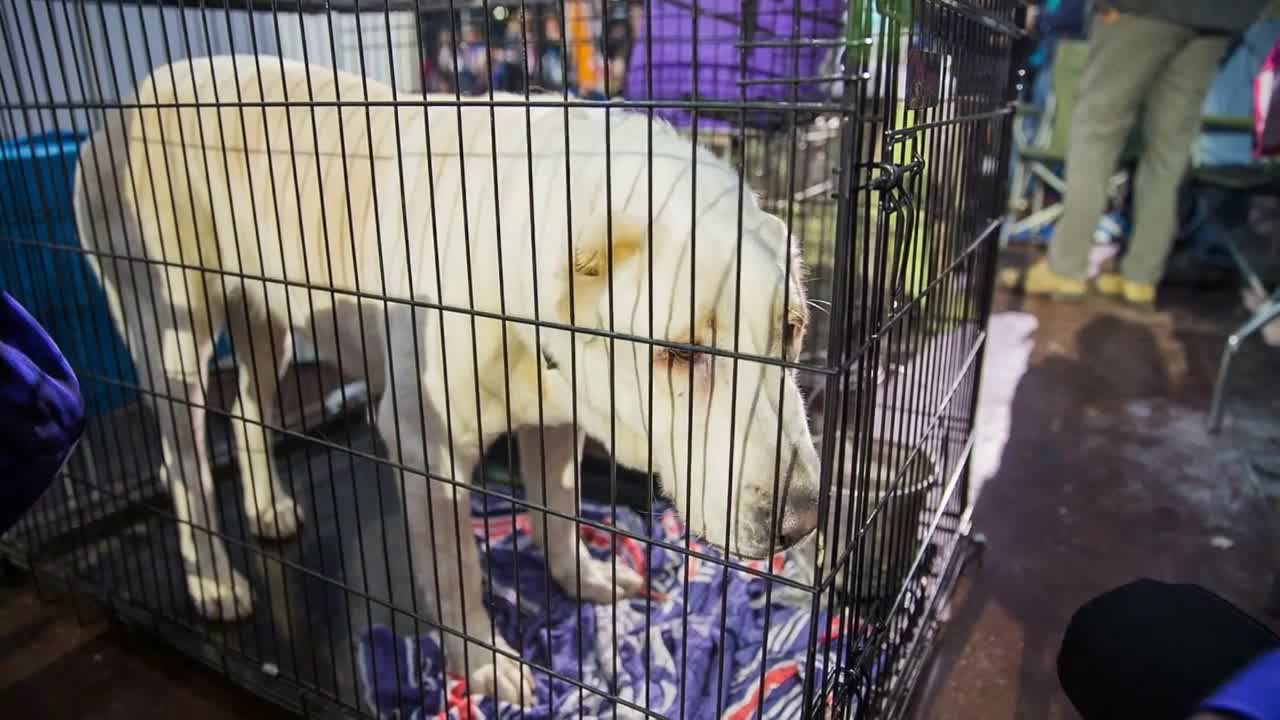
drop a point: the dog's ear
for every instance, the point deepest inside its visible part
(604, 238)
(774, 230)
(600, 241)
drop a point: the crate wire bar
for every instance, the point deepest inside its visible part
(876, 131)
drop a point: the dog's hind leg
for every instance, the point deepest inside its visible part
(171, 287)
(550, 480)
(169, 344)
(263, 352)
(218, 590)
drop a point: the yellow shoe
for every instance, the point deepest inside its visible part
(1041, 280)
(1010, 278)
(1118, 286)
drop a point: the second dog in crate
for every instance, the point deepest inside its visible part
(260, 195)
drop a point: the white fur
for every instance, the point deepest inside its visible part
(173, 186)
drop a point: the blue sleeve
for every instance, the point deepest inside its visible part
(1066, 19)
(1253, 694)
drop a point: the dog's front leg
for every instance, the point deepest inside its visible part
(551, 481)
(446, 561)
(449, 569)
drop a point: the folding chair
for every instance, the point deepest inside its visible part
(1258, 178)
(1041, 160)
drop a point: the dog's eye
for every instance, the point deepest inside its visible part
(675, 356)
(791, 334)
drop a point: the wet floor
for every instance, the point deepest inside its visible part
(1109, 475)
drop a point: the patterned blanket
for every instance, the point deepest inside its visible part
(714, 626)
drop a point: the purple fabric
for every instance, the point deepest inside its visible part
(403, 674)
(41, 412)
(719, 59)
(1253, 694)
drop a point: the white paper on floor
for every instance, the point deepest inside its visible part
(1010, 337)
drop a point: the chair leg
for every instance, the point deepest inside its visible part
(1047, 176)
(1246, 269)
(1265, 313)
(1036, 220)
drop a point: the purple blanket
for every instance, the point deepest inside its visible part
(402, 676)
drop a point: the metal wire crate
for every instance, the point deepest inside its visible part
(478, 265)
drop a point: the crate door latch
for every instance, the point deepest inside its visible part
(894, 182)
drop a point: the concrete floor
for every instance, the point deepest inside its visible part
(1107, 475)
(57, 665)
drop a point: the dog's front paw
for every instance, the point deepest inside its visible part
(503, 679)
(598, 583)
(226, 598)
(278, 519)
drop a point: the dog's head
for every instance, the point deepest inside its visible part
(710, 406)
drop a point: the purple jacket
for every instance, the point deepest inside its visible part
(41, 411)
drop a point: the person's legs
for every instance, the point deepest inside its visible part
(1126, 54)
(1169, 126)
(1154, 649)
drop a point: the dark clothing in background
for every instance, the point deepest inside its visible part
(1058, 19)
(1221, 16)
(1157, 650)
(1064, 18)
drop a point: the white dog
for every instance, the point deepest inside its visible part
(246, 193)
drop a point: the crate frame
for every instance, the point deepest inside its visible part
(890, 188)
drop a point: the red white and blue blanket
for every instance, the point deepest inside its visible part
(714, 627)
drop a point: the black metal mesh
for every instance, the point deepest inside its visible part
(877, 131)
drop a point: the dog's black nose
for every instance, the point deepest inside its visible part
(786, 541)
(798, 520)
